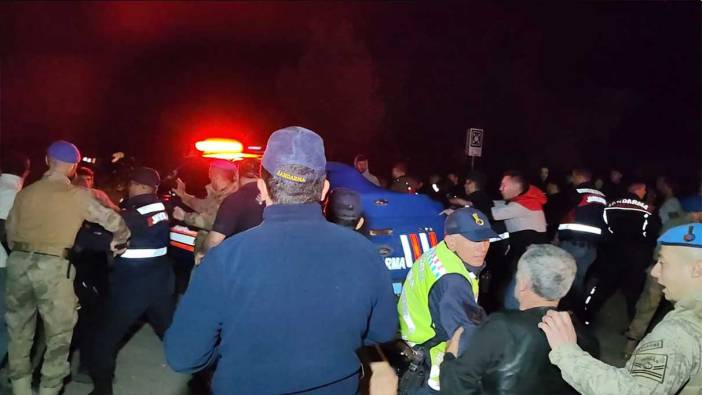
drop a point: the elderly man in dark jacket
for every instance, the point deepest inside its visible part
(509, 354)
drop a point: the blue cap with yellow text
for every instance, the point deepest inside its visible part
(689, 235)
(469, 223)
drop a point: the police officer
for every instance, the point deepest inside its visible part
(581, 229)
(668, 360)
(142, 278)
(440, 295)
(41, 229)
(626, 251)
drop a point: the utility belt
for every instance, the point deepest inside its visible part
(419, 358)
(41, 250)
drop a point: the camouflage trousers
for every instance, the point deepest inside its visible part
(646, 308)
(43, 284)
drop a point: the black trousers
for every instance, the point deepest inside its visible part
(137, 287)
(91, 287)
(621, 266)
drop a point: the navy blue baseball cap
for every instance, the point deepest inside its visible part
(345, 203)
(689, 235)
(469, 223)
(294, 145)
(64, 151)
(146, 176)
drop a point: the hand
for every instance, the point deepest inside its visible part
(118, 249)
(558, 328)
(460, 202)
(178, 213)
(198, 258)
(448, 211)
(179, 190)
(455, 341)
(117, 156)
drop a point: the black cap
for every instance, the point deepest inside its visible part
(345, 204)
(146, 176)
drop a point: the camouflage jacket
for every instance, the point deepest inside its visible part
(206, 209)
(666, 361)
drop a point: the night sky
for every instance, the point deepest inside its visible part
(596, 84)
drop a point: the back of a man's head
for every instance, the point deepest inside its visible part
(293, 167)
(581, 175)
(549, 269)
(249, 168)
(344, 207)
(14, 163)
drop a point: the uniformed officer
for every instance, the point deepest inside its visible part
(581, 229)
(440, 295)
(669, 359)
(41, 229)
(142, 279)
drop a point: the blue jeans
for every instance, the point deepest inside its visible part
(585, 254)
(3, 327)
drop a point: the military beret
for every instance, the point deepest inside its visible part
(689, 235)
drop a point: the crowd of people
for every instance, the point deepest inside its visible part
(285, 289)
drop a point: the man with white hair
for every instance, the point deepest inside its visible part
(508, 354)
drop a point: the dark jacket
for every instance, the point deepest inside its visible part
(631, 221)
(284, 306)
(584, 221)
(148, 221)
(508, 354)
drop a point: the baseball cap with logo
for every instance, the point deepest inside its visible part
(469, 223)
(294, 145)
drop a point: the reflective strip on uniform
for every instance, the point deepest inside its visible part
(425, 242)
(596, 199)
(581, 228)
(406, 250)
(145, 253)
(590, 191)
(185, 239)
(500, 237)
(151, 208)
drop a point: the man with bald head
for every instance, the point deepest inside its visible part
(669, 359)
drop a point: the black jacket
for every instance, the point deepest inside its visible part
(508, 355)
(629, 220)
(584, 221)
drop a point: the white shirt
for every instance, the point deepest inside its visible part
(671, 208)
(10, 184)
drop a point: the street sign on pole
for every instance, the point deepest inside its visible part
(474, 142)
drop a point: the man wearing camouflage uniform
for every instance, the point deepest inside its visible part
(650, 299)
(223, 182)
(41, 229)
(669, 359)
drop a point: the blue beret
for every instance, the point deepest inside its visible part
(692, 204)
(689, 235)
(294, 145)
(64, 151)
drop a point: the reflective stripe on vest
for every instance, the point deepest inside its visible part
(145, 253)
(151, 208)
(590, 191)
(580, 228)
(416, 323)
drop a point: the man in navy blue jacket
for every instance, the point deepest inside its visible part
(284, 306)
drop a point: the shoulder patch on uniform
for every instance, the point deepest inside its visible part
(650, 366)
(650, 345)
